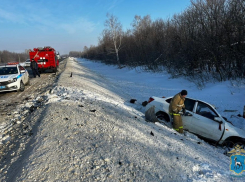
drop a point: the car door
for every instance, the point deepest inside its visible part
(203, 122)
(187, 118)
(24, 75)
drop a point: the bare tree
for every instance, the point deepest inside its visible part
(75, 53)
(208, 38)
(85, 51)
(114, 30)
(6, 56)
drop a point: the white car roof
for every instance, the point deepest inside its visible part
(9, 65)
(192, 99)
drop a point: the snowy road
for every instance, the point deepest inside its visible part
(86, 130)
(9, 100)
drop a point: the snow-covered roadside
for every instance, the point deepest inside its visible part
(15, 107)
(228, 97)
(87, 132)
(18, 116)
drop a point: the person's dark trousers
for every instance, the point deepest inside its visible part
(35, 72)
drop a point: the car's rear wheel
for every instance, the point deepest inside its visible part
(230, 143)
(55, 70)
(241, 144)
(228, 146)
(22, 86)
(162, 116)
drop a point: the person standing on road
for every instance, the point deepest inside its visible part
(34, 68)
(176, 105)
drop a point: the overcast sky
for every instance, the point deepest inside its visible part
(69, 25)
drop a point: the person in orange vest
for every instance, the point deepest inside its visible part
(176, 105)
(34, 68)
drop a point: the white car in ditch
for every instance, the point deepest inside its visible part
(13, 77)
(201, 119)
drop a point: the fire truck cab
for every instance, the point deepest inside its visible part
(45, 57)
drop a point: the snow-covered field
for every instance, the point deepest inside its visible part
(87, 130)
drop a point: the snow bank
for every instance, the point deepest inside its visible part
(228, 97)
(89, 131)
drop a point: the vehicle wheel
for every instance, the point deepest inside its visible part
(22, 86)
(241, 144)
(228, 146)
(162, 116)
(55, 70)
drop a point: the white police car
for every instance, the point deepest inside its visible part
(13, 77)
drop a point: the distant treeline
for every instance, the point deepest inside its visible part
(75, 53)
(6, 56)
(207, 38)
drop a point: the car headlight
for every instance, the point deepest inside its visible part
(13, 80)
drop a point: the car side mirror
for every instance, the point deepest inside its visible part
(22, 71)
(218, 119)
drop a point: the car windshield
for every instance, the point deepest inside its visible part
(8, 70)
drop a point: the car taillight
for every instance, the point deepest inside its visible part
(150, 99)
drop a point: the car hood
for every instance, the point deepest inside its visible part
(4, 78)
(236, 131)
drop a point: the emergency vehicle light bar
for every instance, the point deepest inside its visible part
(14, 63)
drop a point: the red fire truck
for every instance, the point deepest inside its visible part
(45, 57)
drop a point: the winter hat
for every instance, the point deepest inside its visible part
(183, 92)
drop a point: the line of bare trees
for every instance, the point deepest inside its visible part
(75, 53)
(6, 56)
(208, 38)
